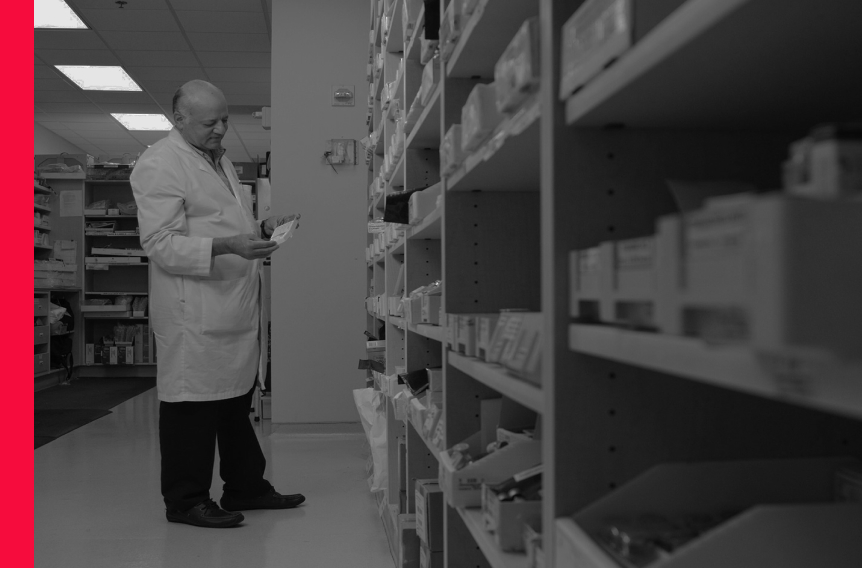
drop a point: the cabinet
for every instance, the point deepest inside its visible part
(714, 90)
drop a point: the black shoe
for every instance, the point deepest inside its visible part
(271, 500)
(206, 514)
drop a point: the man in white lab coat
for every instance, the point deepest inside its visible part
(206, 252)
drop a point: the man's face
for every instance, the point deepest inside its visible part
(204, 122)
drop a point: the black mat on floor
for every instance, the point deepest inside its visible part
(51, 423)
(61, 409)
(101, 393)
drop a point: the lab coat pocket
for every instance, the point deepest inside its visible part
(228, 306)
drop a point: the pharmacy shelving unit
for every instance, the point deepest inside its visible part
(717, 89)
(50, 227)
(112, 280)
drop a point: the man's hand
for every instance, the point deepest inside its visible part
(270, 224)
(248, 246)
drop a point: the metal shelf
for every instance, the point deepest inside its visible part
(497, 378)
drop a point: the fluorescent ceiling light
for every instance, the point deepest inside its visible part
(99, 78)
(143, 121)
(56, 14)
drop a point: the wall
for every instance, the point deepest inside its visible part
(46, 142)
(318, 277)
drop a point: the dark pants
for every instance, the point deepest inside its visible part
(188, 432)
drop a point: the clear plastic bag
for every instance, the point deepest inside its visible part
(370, 404)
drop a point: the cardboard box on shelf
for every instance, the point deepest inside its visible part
(507, 519)
(430, 309)
(479, 116)
(484, 333)
(429, 513)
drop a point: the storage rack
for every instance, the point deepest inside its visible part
(117, 280)
(718, 89)
(46, 374)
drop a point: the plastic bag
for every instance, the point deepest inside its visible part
(55, 313)
(370, 404)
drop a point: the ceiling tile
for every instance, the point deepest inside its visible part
(239, 74)
(152, 85)
(54, 125)
(53, 85)
(146, 41)
(108, 124)
(235, 59)
(234, 88)
(151, 58)
(229, 42)
(218, 5)
(97, 135)
(181, 74)
(68, 107)
(73, 118)
(134, 108)
(100, 97)
(44, 72)
(77, 57)
(66, 39)
(132, 5)
(129, 20)
(223, 22)
(149, 137)
(60, 97)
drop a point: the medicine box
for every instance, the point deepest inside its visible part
(517, 72)
(600, 31)
(429, 514)
(451, 330)
(423, 203)
(435, 379)
(779, 501)
(430, 79)
(523, 355)
(507, 519)
(466, 335)
(450, 29)
(484, 332)
(742, 269)
(827, 165)
(430, 309)
(479, 116)
(451, 154)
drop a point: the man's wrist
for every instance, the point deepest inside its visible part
(263, 230)
(221, 245)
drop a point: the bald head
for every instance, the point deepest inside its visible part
(201, 115)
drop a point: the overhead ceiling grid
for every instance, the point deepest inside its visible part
(161, 44)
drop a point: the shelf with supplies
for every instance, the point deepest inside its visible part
(42, 227)
(818, 381)
(37, 188)
(508, 160)
(687, 51)
(485, 540)
(606, 124)
(496, 377)
(41, 209)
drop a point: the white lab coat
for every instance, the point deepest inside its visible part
(206, 313)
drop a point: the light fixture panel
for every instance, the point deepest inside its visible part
(99, 77)
(56, 14)
(150, 122)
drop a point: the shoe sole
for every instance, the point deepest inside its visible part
(230, 523)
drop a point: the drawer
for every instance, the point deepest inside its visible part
(40, 306)
(41, 334)
(40, 363)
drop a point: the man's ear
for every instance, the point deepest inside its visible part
(178, 120)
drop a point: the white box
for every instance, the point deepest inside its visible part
(597, 33)
(451, 153)
(742, 270)
(423, 203)
(479, 117)
(430, 79)
(517, 72)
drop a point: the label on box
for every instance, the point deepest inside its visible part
(712, 233)
(113, 355)
(636, 254)
(589, 260)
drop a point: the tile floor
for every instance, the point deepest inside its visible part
(97, 503)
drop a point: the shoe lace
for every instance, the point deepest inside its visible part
(208, 505)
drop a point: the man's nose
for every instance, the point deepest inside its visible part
(221, 128)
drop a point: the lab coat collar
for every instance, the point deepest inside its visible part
(177, 138)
